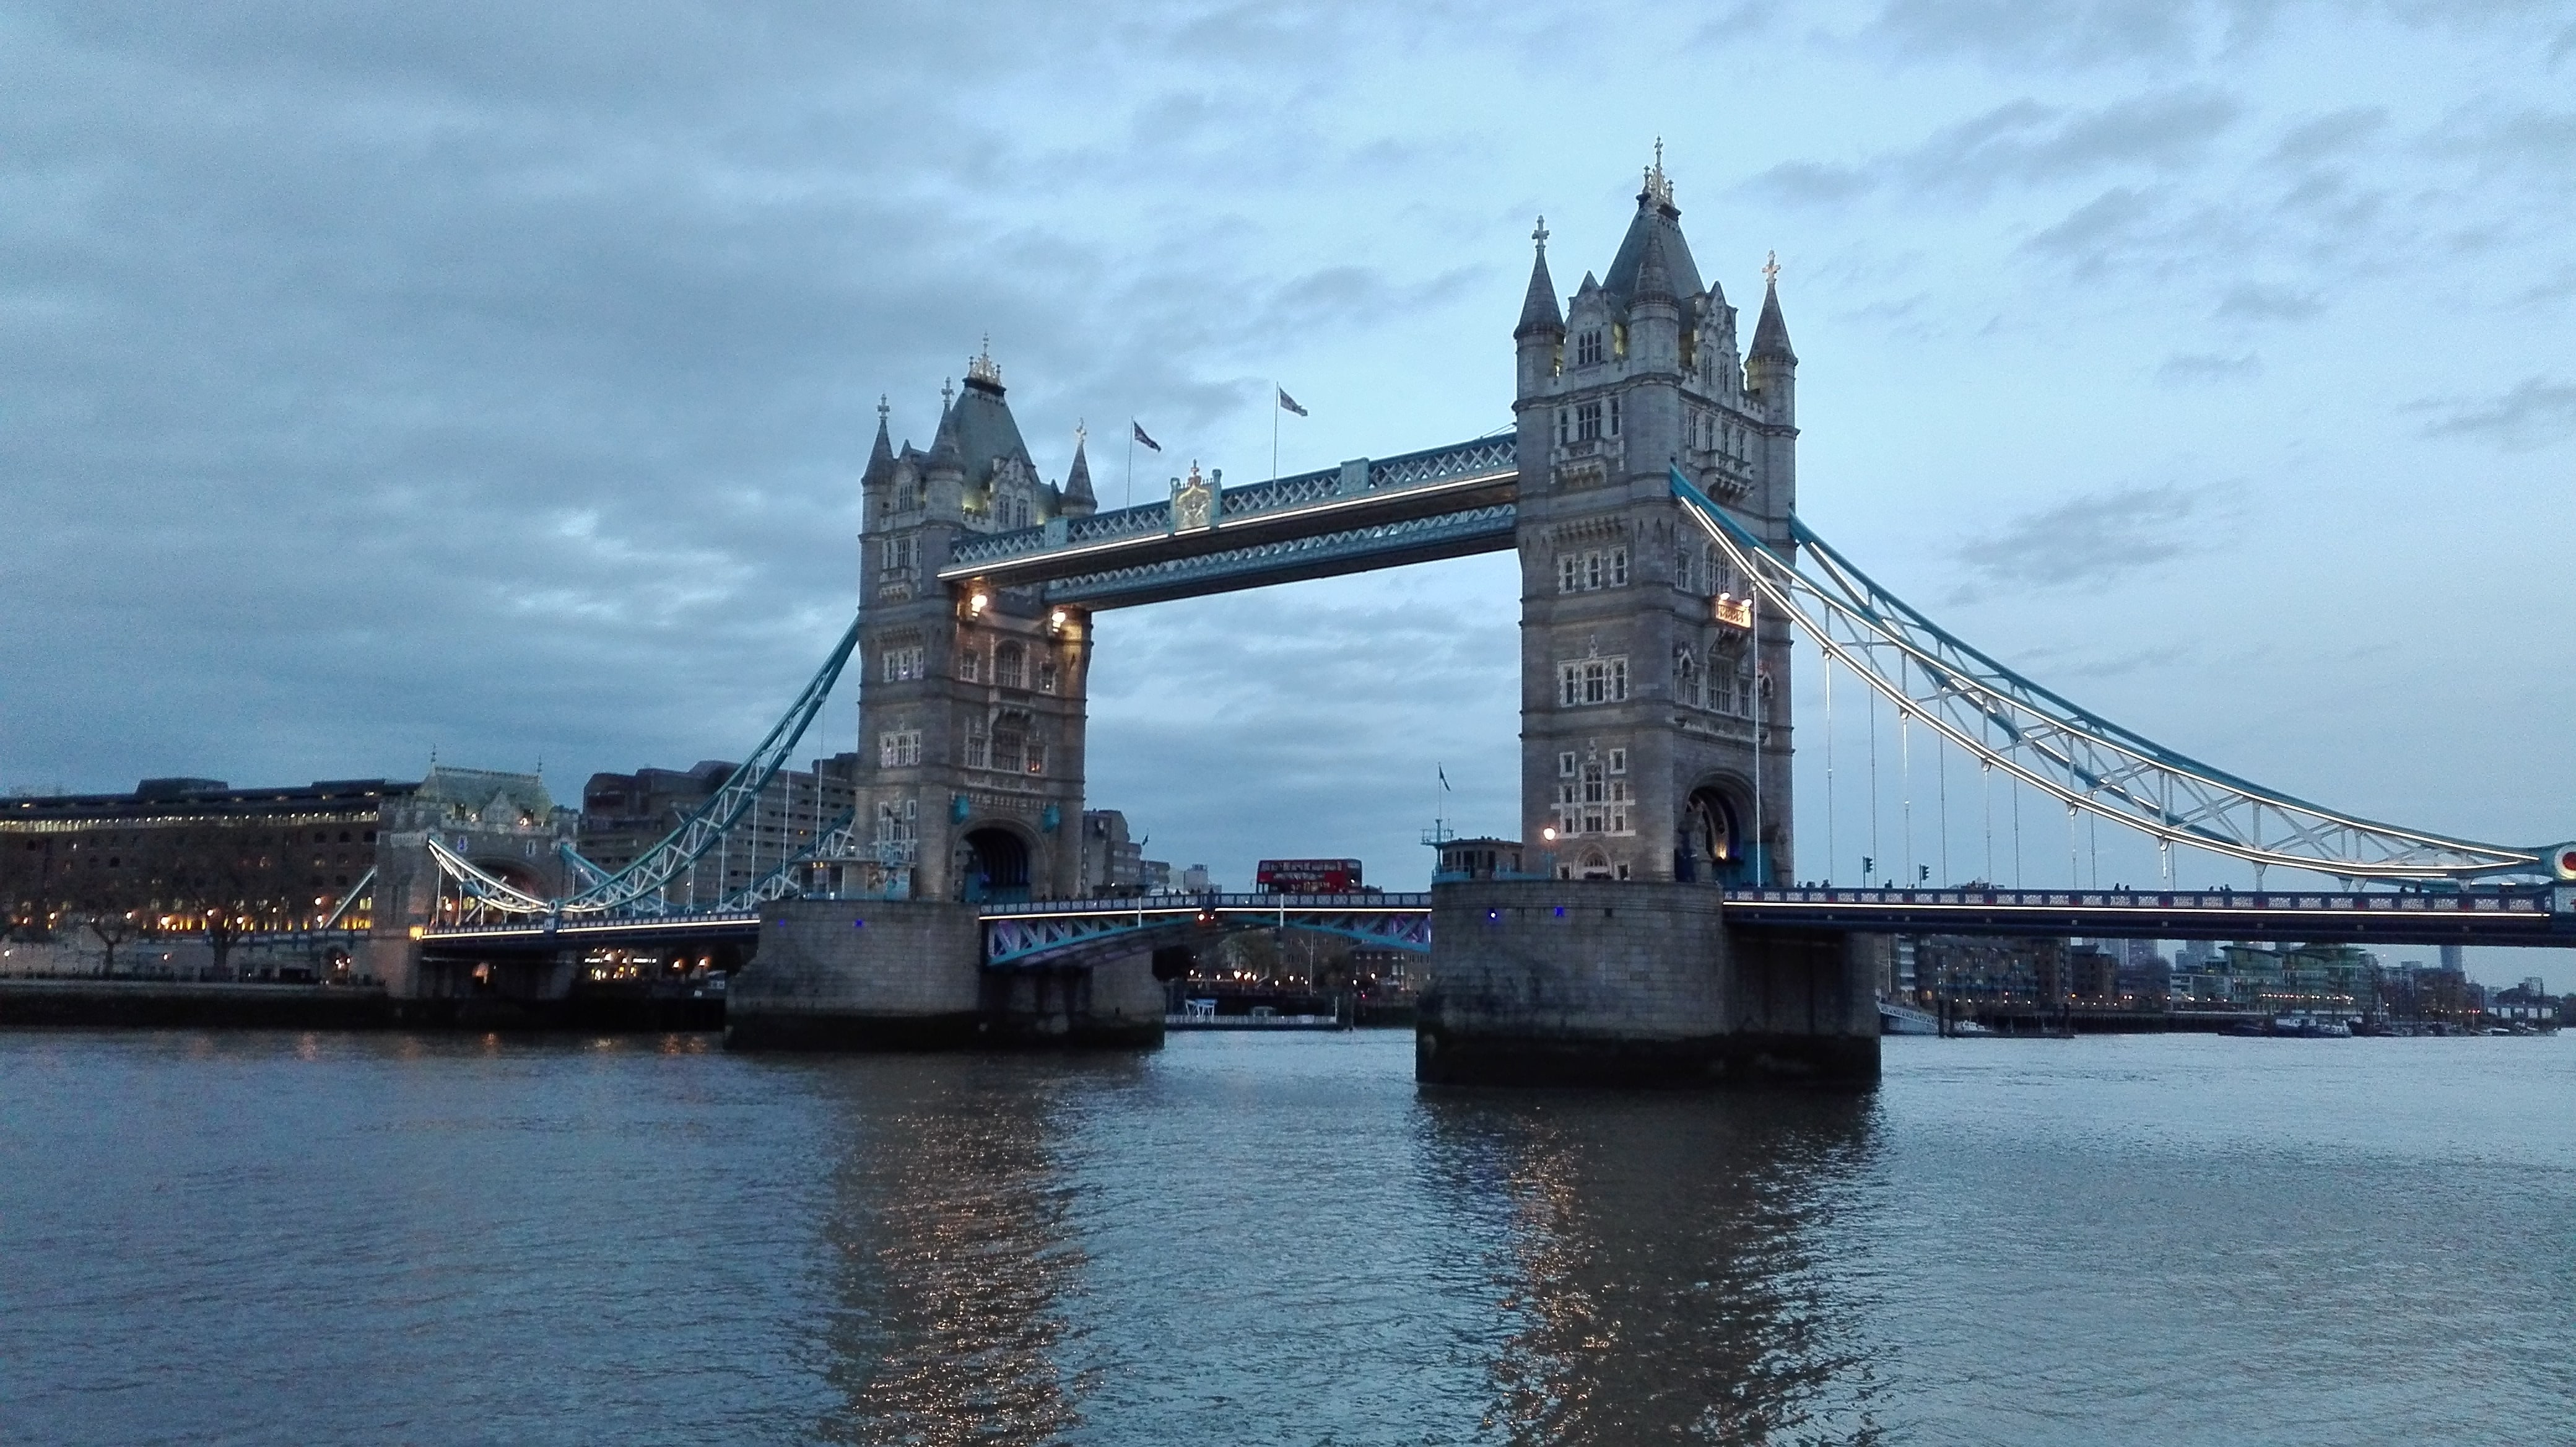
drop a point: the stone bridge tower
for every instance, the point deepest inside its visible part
(1655, 735)
(1654, 713)
(970, 702)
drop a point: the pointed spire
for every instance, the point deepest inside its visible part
(1077, 481)
(944, 452)
(1538, 310)
(881, 456)
(1771, 334)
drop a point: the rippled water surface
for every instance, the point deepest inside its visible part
(253, 1237)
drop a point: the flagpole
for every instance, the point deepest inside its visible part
(1275, 395)
(1131, 462)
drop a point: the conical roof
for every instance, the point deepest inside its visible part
(881, 456)
(945, 454)
(983, 427)
(1538, 309)
(1659, 222)
(1771, 334)
(1077, 482)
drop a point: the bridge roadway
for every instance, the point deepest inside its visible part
(1067, 932)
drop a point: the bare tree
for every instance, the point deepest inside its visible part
(111, 930)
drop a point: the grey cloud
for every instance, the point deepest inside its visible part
(2203, 368)
(2262, 301)
(2026, 143)
(2027, 30)
(2086, 540)
(2136, 32)
(2532, 413)
(2102, 231)
(2329, 136)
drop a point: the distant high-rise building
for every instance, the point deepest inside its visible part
(2451, 959)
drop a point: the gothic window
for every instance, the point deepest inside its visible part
(1618, 339)
(979, 745)
(1618, 761)
(1594, 680)
(1587, 349)
(903, 663)
(1008, 666)
(1012, 748)
(1686, 678)
(1046, 675)
(1583, 572)
(1565, 764)
(1614, 416)
(1721, 686)
(899, 554)
(907, 494)
(1562, 419)
(1587, 421)
(899, 748)
(970, 665)
(1682, 567)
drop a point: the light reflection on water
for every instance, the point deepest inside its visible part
(1257, 1239)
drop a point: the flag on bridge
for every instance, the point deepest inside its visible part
(1443, 771)
(1287, 402)
(1141, 437)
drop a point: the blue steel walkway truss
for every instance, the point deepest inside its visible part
(1445, 502)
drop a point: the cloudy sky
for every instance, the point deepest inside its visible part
(494, 378)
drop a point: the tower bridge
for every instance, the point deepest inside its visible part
(1648, 482)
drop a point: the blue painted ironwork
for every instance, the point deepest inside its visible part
(640, 888)
(1360, 480)
(2082, 759)
(1443, 535)
(1074, 932)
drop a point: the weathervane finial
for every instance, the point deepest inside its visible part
(1771, 270)
(1539, 234)
(1659, 187)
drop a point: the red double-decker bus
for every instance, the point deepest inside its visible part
(1307, 876)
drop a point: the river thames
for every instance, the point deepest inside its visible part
(367, 1238)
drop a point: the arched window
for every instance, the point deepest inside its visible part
(1009, 666)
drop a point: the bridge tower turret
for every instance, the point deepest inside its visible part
(971, 712)
(1655, 729)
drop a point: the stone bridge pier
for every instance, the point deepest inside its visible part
(1640, 984)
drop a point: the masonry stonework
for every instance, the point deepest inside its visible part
(1654, 712)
